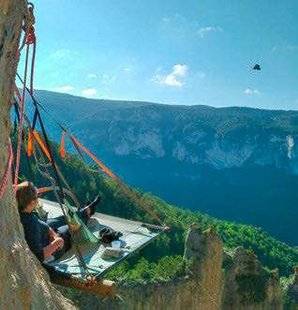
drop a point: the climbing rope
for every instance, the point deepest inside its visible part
(29, 39)
(133, 196)
(33, 135)
(47, 189)
(44, 151)
(56, 185)
(57, 191)
(81, 149)
(7, 172)
(20, 128)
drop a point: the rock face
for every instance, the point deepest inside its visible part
(197, 135)
(24, 284)
(200, 289)
(244, 284)
(248, 285)
(292, 289)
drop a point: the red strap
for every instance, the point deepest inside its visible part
(62, 151)
(31, 38)
(17, 93)
(30, 145)
(42, 145)
(30, 31)
(108, 172)
(7, 172)
(20, 134)
(22, 109)
(101, 165)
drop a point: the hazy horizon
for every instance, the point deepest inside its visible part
(169, 104)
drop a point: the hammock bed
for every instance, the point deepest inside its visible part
(135, 236)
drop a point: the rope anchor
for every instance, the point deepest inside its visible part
(29, 39)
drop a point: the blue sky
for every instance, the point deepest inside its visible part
(170, 51)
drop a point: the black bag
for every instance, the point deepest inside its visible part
(108, 235)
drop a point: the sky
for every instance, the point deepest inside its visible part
(170, 51)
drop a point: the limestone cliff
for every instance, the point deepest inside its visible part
(24, 284)
(232, 163)
(291, 291)
(201, 287)
(248, 285)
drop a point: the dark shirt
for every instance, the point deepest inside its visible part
(36, 233)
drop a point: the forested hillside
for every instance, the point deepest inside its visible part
(237, 164)
(163, 258)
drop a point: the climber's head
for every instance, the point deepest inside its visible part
(27, 197)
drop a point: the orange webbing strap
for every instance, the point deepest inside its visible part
(126, 190)
(5, 178)
(34, 136)
(101, 165)
(62, 151)
(30, 146)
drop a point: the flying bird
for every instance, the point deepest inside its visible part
(256, 67)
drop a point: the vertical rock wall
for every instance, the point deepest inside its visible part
(23, 283)
(200, 289)
(248, 285)
(292, 290)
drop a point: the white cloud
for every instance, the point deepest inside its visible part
(89, 92)
(285, 48)
(291, 47)
(127, 69)
(175, 78)
(92, 76)
(62, 54)
(250, 92)
(180, 70)
(203, 31)
(64, 89)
